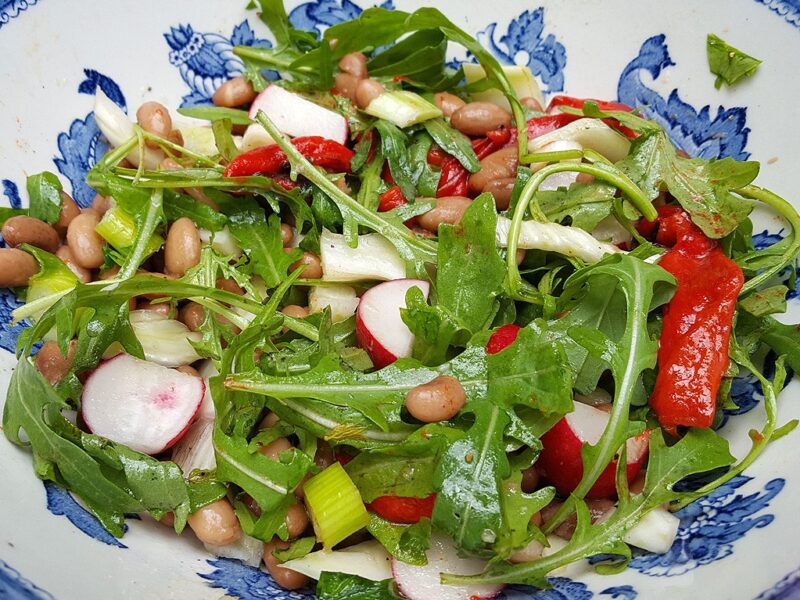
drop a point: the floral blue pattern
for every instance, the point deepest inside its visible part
(248, 583)
(11, 9)
(691, 130)
(61, 503)
(524, 43)
(206, 60)
(315, 16)
(710, 527)
(82, 144)
(622, 592)
(562, 588)
(14, 586)
(788, 9)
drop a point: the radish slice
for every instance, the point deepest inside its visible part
(140, 404)
(379, 327)
(207, 370)
(560, 461)
(423, 583)
(296, 116)
(368, 560)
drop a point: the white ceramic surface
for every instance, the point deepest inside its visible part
(743, 543)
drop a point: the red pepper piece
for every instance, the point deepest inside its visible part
(436, 156)
(343, 458)
(580, 102)
(693, 350)
(268, 160)
(502, 338)
(402, 509)
(499, 136)
(392, 198)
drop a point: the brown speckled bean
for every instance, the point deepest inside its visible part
(498, 165)
(162, 308)
(296, 520)
(476, 118)
(313, 265)
(346, 85)
(23, 229)
(438, 400)
(531, 104)
(154, 118)
(286, 578)
(69, 210)
(287, 234)
(501, 189)
(449, 209)
(66, 256)
(448, 103)
(101, 204)
(191, 315)
(85, 243)
(182, 248)
(367, 91)
(216, 524)
(274, 448)
(234, 92)
(16, 267)
(355, 64)
(52, 364)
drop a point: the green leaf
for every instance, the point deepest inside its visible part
(339, 586)
(44, 192)
(202, 215)
(224, 140)
(728, 63)
(784, 341)
(405, 542)
(434, 328)
(420, 57)
(585, 205)
(765, 302)
(454, 143)
(216, 113)
(702, 187)
(518, 509)
(6, 213)
(297, 549)
(471, 272)
(393, 147)
(260, 238)
(273, 14)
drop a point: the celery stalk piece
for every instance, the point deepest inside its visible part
(520, 78)
(335, 505)
(119, 229)
(402, 108)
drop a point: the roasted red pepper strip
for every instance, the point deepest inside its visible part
(693, 350)
(402, 509)
(392, 198)
(502, 338)
(268, 160)
(603, 105)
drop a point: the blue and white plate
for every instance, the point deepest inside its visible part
(739, 543)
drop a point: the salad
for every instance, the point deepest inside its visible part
(392, 326)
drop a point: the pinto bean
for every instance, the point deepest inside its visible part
(448, 103)
(531, 104)
(229, 285)
(162, 308)
(101, 204)
(234, 92)
(286, 578)
(69, 210)
(66, 256)
(346, 85)
(23, 229)
(501, 189)
(367, 91)
(498, 165)
(216, 524)
(296, 520)
(598, 508)
(52, 364)
(293, 310)
(477, 118)
(355, 64)
(191, 315)
(530, 480)
(448, 209)
(287, 234)
(16, 267)
(313, 265)
(438, 400)
(275, 447)
(182, 248)
(154, 118)
(84, 242)
(188, 370)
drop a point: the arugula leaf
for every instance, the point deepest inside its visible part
(339, 586)
(6, 213)
(518, 508)
(420, 57)
(702, 187)
(216, 113)
(224, 140)
(784, 340)
(645, 287)
(110, 479)
(393, 145)
(585, 205)
(765, 302)
(434, 328)
(454, 143)
(261, 240)
(471, 272)
(728, 63)
(405, 542)
(180, 205)
(699, 451)
(297, 549)
(44, 193)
